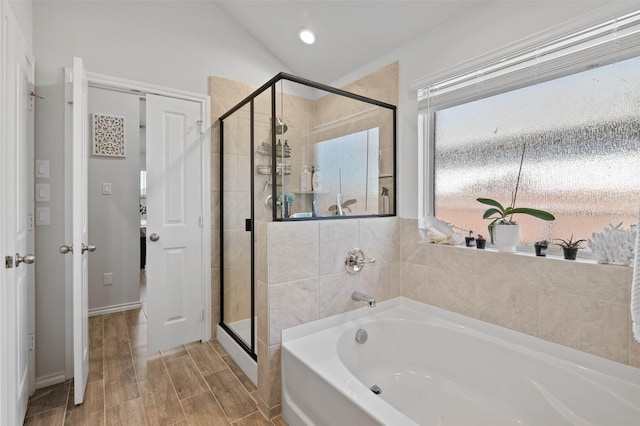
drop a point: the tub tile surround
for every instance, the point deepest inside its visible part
(298, 292)
(556, 300)
(581, 305)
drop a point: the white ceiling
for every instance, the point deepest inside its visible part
(350, 34)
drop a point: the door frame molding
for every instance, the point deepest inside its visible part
(138, 88)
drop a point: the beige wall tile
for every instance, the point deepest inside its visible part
(293, 251)
(261, 245)
(334, 294)
(590, 325)
(611, 283)
(380, 281)
(269, 384)
(291, 304)
(262, 311)
(336, 238)
(380, 239)
(508, 303)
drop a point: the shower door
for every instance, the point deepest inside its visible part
(237, 227)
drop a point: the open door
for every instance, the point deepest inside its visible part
(174, 223)
(17, 375)
(77, 223)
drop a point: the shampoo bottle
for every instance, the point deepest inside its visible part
(316, 181)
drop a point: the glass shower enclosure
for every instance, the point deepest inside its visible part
(295, 150)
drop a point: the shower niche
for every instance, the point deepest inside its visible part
(296, 150)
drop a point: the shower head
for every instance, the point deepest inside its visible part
(281, 127)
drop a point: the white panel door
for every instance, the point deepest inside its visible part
(17, 303)
(174, 223)
(79, 226)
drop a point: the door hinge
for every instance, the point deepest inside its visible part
(200, 222)
(32, 342)
(32, 101)
(203, 315)
(8, 262)
(32, 221)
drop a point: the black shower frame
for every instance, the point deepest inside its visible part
(249, 224)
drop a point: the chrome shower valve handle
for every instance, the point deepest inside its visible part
(355, 261)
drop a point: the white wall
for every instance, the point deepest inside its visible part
(175, 44)
(488, 26)
(114, 220)
(23, 12)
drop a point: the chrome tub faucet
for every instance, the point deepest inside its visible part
(359, 296)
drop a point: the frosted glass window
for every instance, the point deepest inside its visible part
(582, 159)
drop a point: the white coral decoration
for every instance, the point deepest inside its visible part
(614, 244)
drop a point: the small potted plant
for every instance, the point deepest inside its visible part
(469, 241)
(541, 247)
(480, 242)
(570, 248)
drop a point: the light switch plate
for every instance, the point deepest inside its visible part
(43, 216)
(42, 169)
(107, 279)
(43, 193)
(106, 188)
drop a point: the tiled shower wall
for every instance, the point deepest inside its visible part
(301, 277)
(582, 305)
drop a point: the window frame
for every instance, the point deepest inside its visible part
(558, 54)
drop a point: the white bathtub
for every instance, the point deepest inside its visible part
(436, 367)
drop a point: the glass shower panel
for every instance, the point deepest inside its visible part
(237, 215)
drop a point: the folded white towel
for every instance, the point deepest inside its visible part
(635, 289)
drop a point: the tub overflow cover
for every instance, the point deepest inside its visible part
(361, 336)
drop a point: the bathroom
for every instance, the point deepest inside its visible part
(324, 289)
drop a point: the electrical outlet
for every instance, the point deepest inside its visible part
(106, 188)
(107, 279)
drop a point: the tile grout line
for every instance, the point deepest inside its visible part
(209, 387)
(173, 386)
(135, 370)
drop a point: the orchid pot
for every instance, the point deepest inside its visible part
(506, 236)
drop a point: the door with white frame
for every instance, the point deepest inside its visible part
(175, 222)
(17, 294)
(178, 175)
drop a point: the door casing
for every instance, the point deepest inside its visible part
(140, 88)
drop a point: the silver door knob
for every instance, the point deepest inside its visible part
(154, 237)
(65, 249)
(27, 258)
(90, 248)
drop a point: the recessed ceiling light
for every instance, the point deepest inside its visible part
(306, 35)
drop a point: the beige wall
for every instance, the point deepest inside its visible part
(582, 305)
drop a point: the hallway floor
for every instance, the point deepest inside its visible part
(196, 384)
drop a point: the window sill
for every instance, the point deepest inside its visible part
(556, 255)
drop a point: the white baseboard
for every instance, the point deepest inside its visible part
(50, 379)
(114, 308)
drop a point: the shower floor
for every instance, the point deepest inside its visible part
(242, 328)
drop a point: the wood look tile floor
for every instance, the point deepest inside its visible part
(196, 384)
